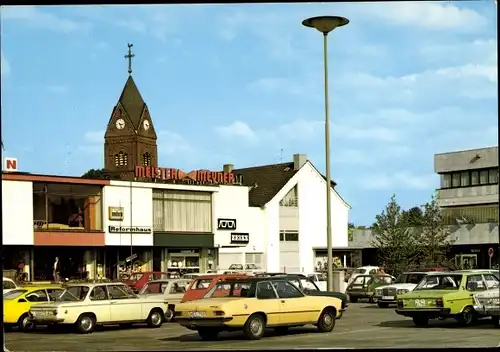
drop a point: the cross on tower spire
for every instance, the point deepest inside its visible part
(129, 56)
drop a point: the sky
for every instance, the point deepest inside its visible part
(243, 84)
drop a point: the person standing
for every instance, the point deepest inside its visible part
(56, 270)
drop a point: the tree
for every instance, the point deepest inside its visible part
(396, 242)
(98, 174)
(350, 231)
(434, 236)
(413, 217)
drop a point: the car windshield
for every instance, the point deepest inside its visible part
(14, 294)
(308, 284)
(8, 285)
(440, 282)
(229, 289)
(236, 267)
(74, 293)
(251, 267)
(410, 278)
(359, 271)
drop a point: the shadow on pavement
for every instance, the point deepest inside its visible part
(66, 329)
(237, 335)
(441, 324)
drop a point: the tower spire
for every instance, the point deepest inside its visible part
(129, 56)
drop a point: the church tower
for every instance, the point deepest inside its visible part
(130, 138)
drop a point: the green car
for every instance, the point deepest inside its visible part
(363, 286)
(445, 295)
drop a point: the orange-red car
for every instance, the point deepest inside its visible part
(137, 280)
(202, 284)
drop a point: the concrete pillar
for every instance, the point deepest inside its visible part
(203, 260)
(89, 263)
(338, 281)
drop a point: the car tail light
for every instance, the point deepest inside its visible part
(219, 313)
(439, 302)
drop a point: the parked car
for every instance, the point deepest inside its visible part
(189, 276)
(254, 304)
(363, 286)
(406, 282)
(203, 283)
(487, 303)
(8, 285)
(137, 280)
(88, 305)
(171, 290)
(444, 295)
(363, 270)
(18, 302)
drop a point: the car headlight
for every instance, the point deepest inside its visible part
(402, 291)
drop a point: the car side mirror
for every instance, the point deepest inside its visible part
(21, 300)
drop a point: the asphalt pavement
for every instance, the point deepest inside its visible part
(363, 325)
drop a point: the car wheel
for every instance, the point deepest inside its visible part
(467, 316)
(383, 304)
(281, 329)
(254, 327)
(421, 321)
(326, 321)
(155, 319)
(208, 334)
(353, 299)
(496, 321)
(85, 324)
(169, 315)
(25, 323)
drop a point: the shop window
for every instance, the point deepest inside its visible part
(65, 207)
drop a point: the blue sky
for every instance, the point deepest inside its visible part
(242, 84)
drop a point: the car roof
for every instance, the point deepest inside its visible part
(220, 276)
(420, 272)
(38, 287)
(94, 284)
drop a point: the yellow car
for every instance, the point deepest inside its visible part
(17, 303)
(254, 304)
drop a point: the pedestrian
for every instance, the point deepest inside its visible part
(56, 270)
(20, 271)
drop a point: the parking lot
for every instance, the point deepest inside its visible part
(363, 325)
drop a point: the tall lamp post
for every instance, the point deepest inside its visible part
(326, 24)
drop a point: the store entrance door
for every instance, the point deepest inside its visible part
(466, 261)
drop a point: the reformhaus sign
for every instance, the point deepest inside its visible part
(196, 177)
(129, 229)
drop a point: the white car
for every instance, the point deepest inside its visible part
(170, 290)
(487, 303)
(8, 285)
(363, 270)
(406, 282)
(88, 305)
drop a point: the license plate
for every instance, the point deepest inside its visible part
(196, 315)
(41, 313)
(388, 298)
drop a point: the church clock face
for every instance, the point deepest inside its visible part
(120, 124)
(145, 124)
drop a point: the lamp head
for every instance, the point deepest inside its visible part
(325, 24)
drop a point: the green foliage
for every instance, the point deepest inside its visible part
(100, 174)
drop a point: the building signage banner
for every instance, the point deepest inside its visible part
(226, 224)
(240, 238)
(197, 177)
(129, 229)
(115, 213)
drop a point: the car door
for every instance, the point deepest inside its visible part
(269, 302)
(295, 306)
(100, 304)
(124, 305)
(474, 284)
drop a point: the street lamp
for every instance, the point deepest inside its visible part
(326, 24)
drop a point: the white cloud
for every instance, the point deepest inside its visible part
(35, 17)
(5, 66)
(173, 143)
(425, 15)
(236, 130)
(397, 181)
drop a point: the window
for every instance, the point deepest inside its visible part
(146, 159)
(291, 199)
(493, 176)
(491, 280)
(475, 283)
(176, 288)
(445, 180)
(37, 296)
(474, 178)
(202, 284)
(464, 179)
(383, 280)
(478, 214)
(254, 258)
(120, 292)
(483, 177)
(98, 294)
(289, 236)
(455, 179)
(170, 209)
(286, 290)
(121, 159)
(13, 294)
(54, 293)
(74, 293)
(8, 285)
(265, 291)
